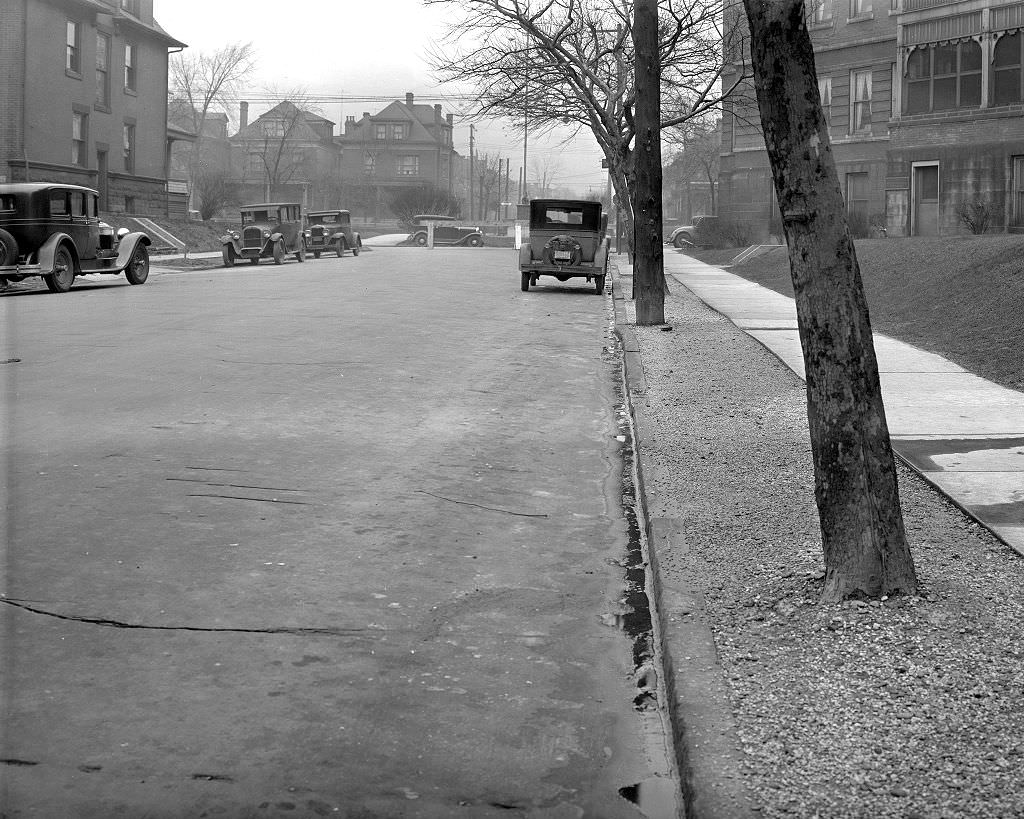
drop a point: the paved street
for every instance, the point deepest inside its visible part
(340, 538)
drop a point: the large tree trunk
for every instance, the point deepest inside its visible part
(866, 552)
(648, 253)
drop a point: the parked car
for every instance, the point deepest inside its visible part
(691, 235)
(332, 230)
(269, 231)
(446, 231)
(568, 239)
(53, 230)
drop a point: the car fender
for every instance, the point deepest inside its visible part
(276, 237)
(357, 239)
(601, 256)
(339, 237)
(49, 250)
(127, 246)
(525, 255)
(233, 242)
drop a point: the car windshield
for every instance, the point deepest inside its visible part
(251, 216)
(328, 218)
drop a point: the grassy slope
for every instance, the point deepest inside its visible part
(960, 297)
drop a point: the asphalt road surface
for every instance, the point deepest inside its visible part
(341, 538)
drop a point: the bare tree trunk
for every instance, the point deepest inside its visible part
(866, 551)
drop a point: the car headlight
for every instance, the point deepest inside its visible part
(235, 234)
(266, 234)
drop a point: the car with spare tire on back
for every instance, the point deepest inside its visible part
(446, 231)
(53, 230)
(567, 239)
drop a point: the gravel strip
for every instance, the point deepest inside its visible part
(907, 708)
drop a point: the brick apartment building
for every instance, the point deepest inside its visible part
(83, 99)
(405, 145)
(925, 105)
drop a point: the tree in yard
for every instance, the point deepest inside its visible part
(864, 543)
(423, 199)
(202, 82)
(699, 146)
(215, 190)
(558, 63)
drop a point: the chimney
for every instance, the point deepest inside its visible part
(408, 98)
(366, 114)
(451, 119)
(350, 123)
(437, 113)
(243, 115)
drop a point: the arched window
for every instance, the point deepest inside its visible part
(943, 77)
(1006, 69)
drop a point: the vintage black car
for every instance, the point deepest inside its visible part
(446, 232)
(269, 231)
(53, 230)
(332, 230)
(567, 239)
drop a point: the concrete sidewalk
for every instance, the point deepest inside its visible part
(962, 433)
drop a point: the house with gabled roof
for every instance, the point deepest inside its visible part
(407, 144)
(287, 154)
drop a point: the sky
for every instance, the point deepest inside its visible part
(345, 51)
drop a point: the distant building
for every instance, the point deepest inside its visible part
(404, 145)
(83, 96)
(287, 154)
(925, 105)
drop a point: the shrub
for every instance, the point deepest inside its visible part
(978, 214)
(860, 227)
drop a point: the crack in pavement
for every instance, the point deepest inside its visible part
(102, 621)
(480, 506)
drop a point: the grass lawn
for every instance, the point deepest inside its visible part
(960, 297)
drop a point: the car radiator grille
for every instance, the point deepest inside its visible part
(317, 234)
(252, 238)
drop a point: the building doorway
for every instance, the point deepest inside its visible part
(925, 199)
(101, 181)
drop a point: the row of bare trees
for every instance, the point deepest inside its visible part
(627, 70)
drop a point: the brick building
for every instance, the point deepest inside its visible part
(83, 97)
(405, 145)
(287, 154)
(925, 109)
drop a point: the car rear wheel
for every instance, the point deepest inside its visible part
(278, 252)
(63, 275)
(525, 283)
(599, 284)
(138, 268)
(8, 249)
(228, 255)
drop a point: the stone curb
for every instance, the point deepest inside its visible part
(703, 730)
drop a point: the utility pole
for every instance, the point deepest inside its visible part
(471, 170)
(649, 258)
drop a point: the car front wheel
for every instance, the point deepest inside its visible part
(475, 241)
(356, 248)
(63, 275)
(278, 252)
(300, 254)
(421, 239)
(138, 268)
(682, 240)
(340, 248)
(228, 255)
(316, 254)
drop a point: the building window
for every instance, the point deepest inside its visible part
(382, 131)
(1017, 192)
(825, 93)
(273, 128)
(254, 165)
(129, 204)
(821, 11)
(130, 6)
(1006, 69)
(79, 137)
(944, 77)
(103, 70)
(408, 166)
(398, 132)
(73, 54)
(369, 164)
(129, 67)
(129, 148)
(860, 102)
(860, 8)
(857, 200)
